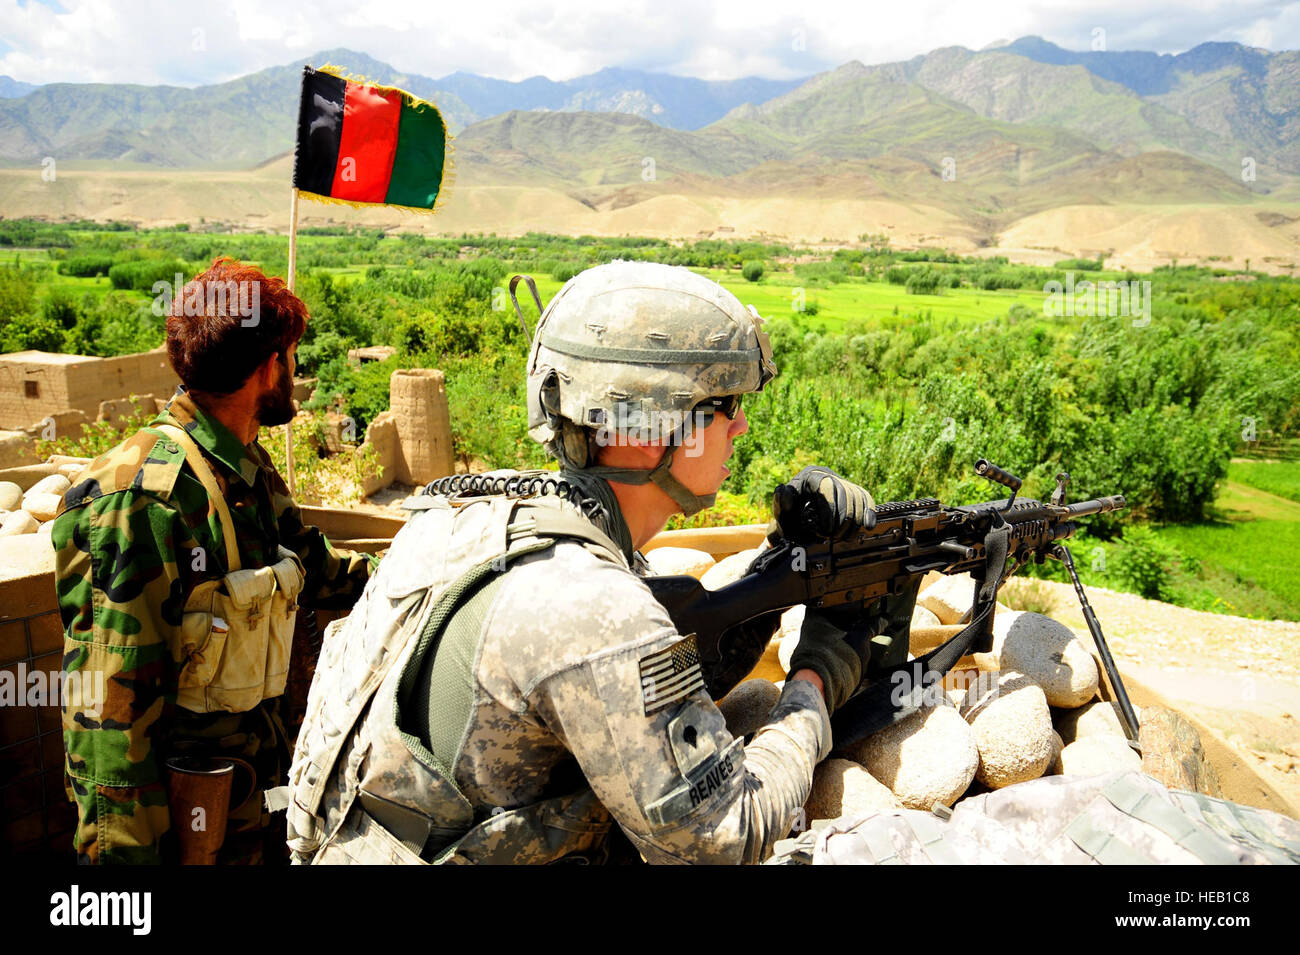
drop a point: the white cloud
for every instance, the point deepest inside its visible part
(153, 41)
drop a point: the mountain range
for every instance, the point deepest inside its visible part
(985, 137)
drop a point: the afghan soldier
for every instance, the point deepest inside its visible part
(180, 559)
(507, 689)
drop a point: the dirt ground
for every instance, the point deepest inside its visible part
(1240, 677)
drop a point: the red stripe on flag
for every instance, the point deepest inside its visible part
(367, 144)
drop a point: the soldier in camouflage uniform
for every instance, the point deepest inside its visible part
(508, 687)
(140, 536)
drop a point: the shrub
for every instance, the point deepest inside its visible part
(141, 275)
(87, 266)
(752, 271)
(924, 281)
(1144, 564)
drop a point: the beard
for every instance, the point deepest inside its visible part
(276, 406)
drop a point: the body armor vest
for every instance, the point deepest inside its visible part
(364, 791)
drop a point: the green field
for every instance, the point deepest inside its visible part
(877, 304)
(1248, 556)
(1277, 477)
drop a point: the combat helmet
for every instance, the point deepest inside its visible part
(634, 347)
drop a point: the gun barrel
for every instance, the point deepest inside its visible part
(1097, 505)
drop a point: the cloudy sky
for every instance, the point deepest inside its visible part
(188, 43)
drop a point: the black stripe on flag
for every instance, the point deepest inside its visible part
(670, 675)
(320, 128)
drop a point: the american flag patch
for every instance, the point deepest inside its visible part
(670, 675)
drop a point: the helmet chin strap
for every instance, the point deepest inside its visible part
(690, 502)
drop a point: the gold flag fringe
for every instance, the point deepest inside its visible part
(448, 153)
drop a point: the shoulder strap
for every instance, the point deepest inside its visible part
(549, 522)
(204, 473)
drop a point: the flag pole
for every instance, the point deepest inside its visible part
(292, 269)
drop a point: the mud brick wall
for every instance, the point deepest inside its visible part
(418, 400)
(36, 819)
(35, 385)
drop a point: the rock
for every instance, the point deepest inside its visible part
(929, 757)
(1058, 744)
(47, 528)
(843, 788)
(43, 507)
(1048, 653)
(670, 561)
(54, 484)
(924, 618)
(747, 707)
(1098, 718)
(71, 472)
(11, 496)
(1172, 752)
(949, 597)
(1094, 755)
(791, 623)
(792, 619)
(1012, 727)
(16, 523)
(25, 554)
(729, 569)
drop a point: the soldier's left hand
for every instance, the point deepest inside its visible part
(818, 504)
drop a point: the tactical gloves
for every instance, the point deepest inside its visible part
(835, 655)
(818, 504)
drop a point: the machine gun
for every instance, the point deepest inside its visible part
(888, 558)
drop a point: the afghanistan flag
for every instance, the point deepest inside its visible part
(363, 144)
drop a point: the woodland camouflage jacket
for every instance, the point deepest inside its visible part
(135, 535)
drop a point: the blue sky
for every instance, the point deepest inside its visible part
(189, 43)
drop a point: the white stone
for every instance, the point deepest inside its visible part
(747, 707)
(18, 522)
(1012, 727)
(1098, 718)
(843, 788)
(1058, 744)
(922, 618)
(729, 569)
(43, 507)
(25, 554)
(670, 561)
(1048, 653)
(53, 484)
(1094, 755)
(949, 597)
(47, 528)
(791, 623)
(11, 496)
(929, 757)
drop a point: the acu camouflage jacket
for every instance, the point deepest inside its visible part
(134, 537)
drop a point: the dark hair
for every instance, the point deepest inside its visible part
(225, 323)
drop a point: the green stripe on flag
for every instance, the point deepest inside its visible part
(421, 155)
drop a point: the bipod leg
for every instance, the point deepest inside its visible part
(1127, 716)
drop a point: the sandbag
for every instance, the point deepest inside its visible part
(1114, 819)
